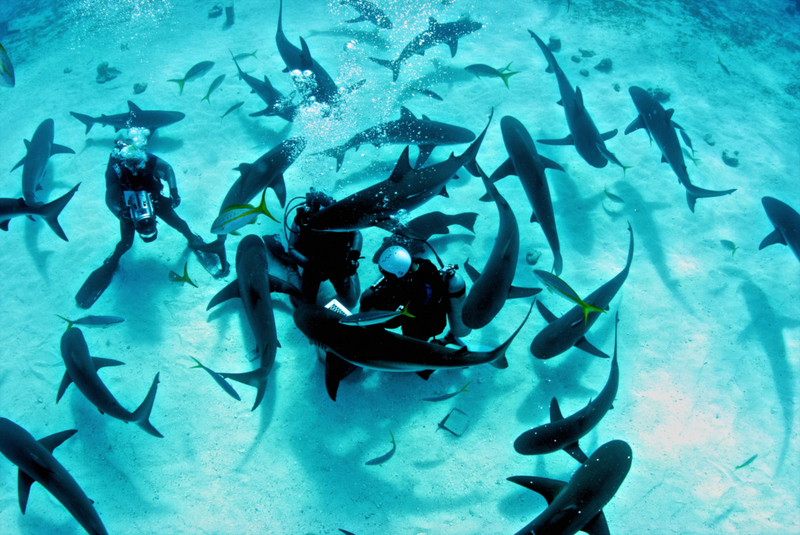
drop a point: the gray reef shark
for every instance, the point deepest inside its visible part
(659, 126)
(564, 433)
(136, 117)
(323, 88)
(82, 370)
(786, 222)
(577, 505)
(266, 172)
(252, 285)
(407, 130)
(11, 208)
(368, 12)
(529, 166)
(493, 286)
(379, 349)
(36, 464)
(583, 133)
(406, 189)
(569, 330)
(39, 148)
(445, 33)
(277, 104)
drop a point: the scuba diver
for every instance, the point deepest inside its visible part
(321, 255)
(133, 194)
(428, 296)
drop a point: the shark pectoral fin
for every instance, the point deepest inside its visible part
(21, 162)
(24, 482)
(229, 292)
(555, 411)
(772, 238)
(425, 374)
(635, 125)
(60, 149)
(550, 164)
(102, 363)
(515, 292)
(336, 369)
(577, 453)
(472, 273)
(584, 344)
(279, 187)
(243, 168)
(548, 316)
(506, 168)
(402, 168)
(565, 141)
(53, 441)
(284, 287)
(597, 525)
(65, 382)
(500, 363)
(608, 135)
(424, 154)
(4, 225)
(362, 18)
(548, 488)
(453, 47)
(444, 193)
(142, 414)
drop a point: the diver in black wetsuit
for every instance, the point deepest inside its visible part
(430, 296)
(133, 194)
(321, 255)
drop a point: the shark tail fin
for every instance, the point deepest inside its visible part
(500, 353)
(85, 119)
(394, 65)
(142, 415)
(467, 220)
(51, 211)
(180, 83)
(256, 378)
(693, 193)
(338, 153)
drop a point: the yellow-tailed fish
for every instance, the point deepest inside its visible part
(555, 284)
(6, 69)
(374, 317)
(174, 277)
(236, 216)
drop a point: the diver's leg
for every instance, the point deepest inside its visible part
(100, 278)
(310, 284)
(348, 290)
(164, 210)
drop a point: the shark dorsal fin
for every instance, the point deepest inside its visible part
(432, 23)
(548, 488)
(133, 107)
(578, 98)
(425, 118)
(406, 115)
(402, 168)
(555, 411)
(669, 113)
(548, 316)
(305, 56)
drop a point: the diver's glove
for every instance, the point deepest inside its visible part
(352, 262)
(176, 199)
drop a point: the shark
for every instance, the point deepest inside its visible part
(659, 126)
(277, 104)
(82, 370)
(11, 208)
(266, 172)
(40, 148)
(564, 433)
(583, 133)
(407, 188)
(378, 349)
(252, 286)
(36, 463)
(425, 133)
(135, 117)
(491, 288)
(324, 88)
(786, 222)
(437, 33)
(569, 330)
(525, 162)
(577, 505)
(413, 234)
(368, 12)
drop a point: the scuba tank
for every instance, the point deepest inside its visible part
(456, 295)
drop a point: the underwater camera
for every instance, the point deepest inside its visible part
(144, 220)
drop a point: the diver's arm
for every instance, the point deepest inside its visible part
(114, 198)
(164, 171)
(297, 257)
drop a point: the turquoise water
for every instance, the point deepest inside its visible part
(708, 340)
